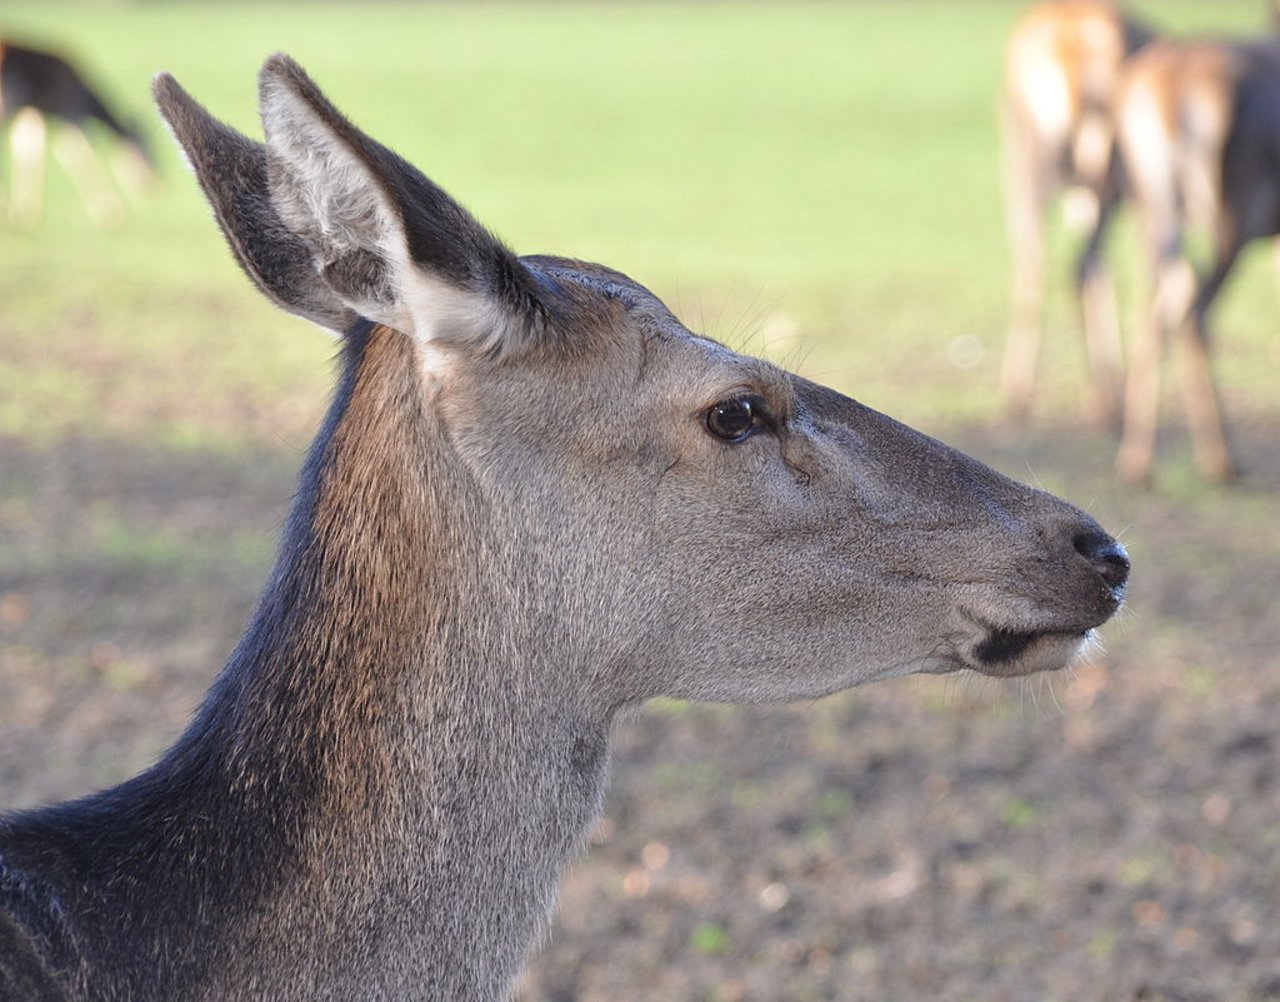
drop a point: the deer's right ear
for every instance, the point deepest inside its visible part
(333, 226)
(232, 171)
(391, 244)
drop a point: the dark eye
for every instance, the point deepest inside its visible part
(734, 420)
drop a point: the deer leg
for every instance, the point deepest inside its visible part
(1025, 190)
(1101, 326)
(1141, 401)
(1200, 396)
(1204, 408)
(1173, 287)
(133, 173)
(1275, 263)
(75, 153)
(27, 139)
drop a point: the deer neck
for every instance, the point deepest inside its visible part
(448, 780)
(400, 776)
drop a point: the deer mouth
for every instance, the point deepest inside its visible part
(1007, 652)
(1002, 652)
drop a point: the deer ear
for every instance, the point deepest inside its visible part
(389, 243)
(232, 171)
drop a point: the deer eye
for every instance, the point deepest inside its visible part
(736, 419)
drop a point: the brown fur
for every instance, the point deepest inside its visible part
(1200, 129)
(1062, 65)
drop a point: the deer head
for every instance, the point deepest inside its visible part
(663, 515)
(537, 498)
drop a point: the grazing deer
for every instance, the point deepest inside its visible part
(35, 86)
(1062, 65)
(537, 499)
(1199, 126)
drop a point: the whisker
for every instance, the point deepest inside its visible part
(1053, 694)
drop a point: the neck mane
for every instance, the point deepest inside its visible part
(380, 790)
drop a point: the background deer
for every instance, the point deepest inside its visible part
(1199, 124)
(1062, 65)
(36, 86)
(537, 499)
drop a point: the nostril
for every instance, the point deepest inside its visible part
(1106, 556)
(1113, 564)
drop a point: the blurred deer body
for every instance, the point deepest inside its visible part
(1199, 125)
(1062, 64)
(537, 499)
(37, 86)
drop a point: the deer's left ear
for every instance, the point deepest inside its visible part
(232, 171)
(390, 244)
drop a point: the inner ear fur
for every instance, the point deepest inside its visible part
(387, 240)
(333, 226)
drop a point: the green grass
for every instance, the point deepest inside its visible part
(816, 181)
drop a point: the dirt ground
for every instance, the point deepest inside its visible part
(1112, 833)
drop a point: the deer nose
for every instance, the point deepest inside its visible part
(1105, 556)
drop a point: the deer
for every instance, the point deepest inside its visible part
(1063, 63)
(37, 86)
(537, 500)
(1199, 127)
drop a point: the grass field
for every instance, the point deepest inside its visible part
(815, 182)
(821, 177)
